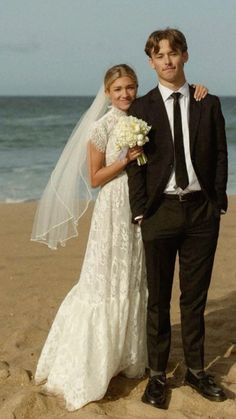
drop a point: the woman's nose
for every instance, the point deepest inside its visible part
(125, 93)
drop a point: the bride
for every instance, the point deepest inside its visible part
(99, 329)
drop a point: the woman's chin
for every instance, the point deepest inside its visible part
(124, 106)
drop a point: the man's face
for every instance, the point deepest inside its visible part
(169, 64)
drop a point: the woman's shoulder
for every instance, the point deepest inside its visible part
(102, 122)
(99, 131)
(107, 121)
(111, 115)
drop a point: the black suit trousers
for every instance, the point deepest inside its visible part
(190, 230)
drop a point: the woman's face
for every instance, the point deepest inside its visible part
(122, 92)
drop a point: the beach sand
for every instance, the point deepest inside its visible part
(33, 282)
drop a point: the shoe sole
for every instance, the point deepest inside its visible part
(154, 404)
(212, 398)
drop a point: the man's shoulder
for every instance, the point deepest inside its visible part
(208, 99)
(142, 102)
(211, 98)
(211, 102)
(149, 95)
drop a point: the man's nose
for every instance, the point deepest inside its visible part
(167, 59)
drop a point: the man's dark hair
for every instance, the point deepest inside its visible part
(176, 39)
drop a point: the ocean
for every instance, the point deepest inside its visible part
(34, 131)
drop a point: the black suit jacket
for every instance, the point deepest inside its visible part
(207, 145)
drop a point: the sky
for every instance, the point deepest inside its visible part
(64, 47)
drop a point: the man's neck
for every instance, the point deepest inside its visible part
(173, 85)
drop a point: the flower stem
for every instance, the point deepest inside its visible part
(142, 159)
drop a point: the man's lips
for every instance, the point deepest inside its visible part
(169, 68)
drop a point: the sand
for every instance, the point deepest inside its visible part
(34, 281)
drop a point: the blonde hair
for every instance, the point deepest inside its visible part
(117, 71)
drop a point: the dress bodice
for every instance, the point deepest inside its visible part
(104, 136)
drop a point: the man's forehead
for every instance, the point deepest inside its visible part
(163, 46)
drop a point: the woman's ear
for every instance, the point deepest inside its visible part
(107, 93)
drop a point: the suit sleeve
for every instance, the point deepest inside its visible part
(136, 176)
(222, 158)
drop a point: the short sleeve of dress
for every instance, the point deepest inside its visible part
(98, 135)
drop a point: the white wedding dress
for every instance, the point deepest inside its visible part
(99, 329)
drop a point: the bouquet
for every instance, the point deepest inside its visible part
(132, 131)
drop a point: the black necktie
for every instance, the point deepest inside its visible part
(181, 174)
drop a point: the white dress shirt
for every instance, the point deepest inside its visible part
(184, 101)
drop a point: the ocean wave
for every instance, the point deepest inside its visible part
(34, 169)
(17, 201)
(39, 121)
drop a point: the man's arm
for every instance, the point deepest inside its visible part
(136, 176)
(222, 159)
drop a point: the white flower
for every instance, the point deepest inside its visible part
(140, 138)
(131, 131)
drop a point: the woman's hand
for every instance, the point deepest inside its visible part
(200, 91)
(133, 153)
(99, 172)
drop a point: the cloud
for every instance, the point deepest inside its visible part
(25, 47)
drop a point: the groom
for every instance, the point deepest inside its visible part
(178, 198)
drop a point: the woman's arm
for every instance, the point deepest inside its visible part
(101, 174)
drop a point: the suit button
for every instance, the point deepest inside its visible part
(171, 165)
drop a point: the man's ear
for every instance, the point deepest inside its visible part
(185, 56)
(151, 63)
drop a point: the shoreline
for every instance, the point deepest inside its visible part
(34, 282)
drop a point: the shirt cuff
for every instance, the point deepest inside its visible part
(139, 217)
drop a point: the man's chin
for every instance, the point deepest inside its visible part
(171, 78)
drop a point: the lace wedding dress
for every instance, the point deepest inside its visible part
(99, 329)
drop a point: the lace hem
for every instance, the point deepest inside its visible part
(101, 342)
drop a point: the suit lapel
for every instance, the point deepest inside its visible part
(194, 118)
(158, 117)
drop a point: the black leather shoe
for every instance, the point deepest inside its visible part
(156, 391)
(205, 385)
